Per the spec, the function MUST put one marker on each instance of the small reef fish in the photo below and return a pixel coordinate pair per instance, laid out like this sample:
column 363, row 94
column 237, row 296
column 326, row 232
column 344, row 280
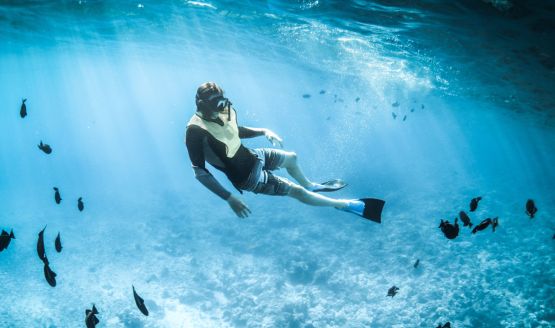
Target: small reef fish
column 393, row 291
column 451, row 231
column 23, row 109
column 140, row 302
column 58, row 243
column 80, row 204
column 45, row 148
column 474, row 203
column 531, row 208
column 57, row 196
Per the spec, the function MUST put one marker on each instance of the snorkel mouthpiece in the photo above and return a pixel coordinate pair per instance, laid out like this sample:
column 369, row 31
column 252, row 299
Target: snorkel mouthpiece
column 223, row 104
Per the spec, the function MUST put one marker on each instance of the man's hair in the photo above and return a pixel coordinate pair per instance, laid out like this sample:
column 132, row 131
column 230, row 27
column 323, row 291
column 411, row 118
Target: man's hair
column 204, row 91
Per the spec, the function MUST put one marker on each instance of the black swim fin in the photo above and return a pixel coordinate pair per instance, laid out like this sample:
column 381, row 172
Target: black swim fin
column 332, row 185
column 370, row 209
column 373, row 209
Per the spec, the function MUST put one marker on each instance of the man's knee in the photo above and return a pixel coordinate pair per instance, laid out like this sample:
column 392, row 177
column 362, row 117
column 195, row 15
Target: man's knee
column 290, row 159
column 296, row 191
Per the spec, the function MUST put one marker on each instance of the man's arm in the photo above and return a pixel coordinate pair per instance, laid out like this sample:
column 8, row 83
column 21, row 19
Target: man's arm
column 246, row 132
column 194, row 141
column 240, row 208
column 208, row 180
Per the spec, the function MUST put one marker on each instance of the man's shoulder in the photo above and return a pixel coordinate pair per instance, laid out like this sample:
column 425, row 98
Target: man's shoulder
column 195, row 129
column 195, row 132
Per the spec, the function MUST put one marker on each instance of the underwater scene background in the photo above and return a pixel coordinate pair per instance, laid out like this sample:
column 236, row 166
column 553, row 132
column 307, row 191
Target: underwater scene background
column 425, row 104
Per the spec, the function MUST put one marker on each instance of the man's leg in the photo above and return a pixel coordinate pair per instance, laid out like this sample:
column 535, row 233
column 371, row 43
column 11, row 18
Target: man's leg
column 315, row 199
column 290, row 163
column 277, row 158
column 279, row 186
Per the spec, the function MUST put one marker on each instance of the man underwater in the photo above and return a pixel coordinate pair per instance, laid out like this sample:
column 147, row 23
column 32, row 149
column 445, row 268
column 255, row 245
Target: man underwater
column 213, row 135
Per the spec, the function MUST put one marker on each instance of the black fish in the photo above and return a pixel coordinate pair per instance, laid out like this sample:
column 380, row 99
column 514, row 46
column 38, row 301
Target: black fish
column 40, row 245
column 395, row 104
column 394, row 115
column 485, row 223
column 57, row 196
column 474, row 203
column 322, row 92
column 465, row 219
column 306, row 96
column 446, row 325
column 451, row 231
column 5, row 239
column 49, row 274
column 531, row 208
column 45, row 148
column 140, row 302
column 357, row 100
column 90, row 317
column 80, row 205
column 482, row 225
column 416, row 263
column 23, row 110
column 405, row 118
column 58, row 243
column 392, row 291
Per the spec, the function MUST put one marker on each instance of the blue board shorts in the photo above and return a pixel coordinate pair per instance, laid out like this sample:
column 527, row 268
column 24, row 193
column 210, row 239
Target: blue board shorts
column 261, row 180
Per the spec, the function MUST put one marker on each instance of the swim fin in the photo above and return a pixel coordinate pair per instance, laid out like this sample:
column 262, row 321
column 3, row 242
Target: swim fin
column 368, row 208
column 332, row 185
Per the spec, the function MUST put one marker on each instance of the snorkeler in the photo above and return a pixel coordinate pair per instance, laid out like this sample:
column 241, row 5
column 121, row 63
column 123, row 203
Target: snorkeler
column 213, row 135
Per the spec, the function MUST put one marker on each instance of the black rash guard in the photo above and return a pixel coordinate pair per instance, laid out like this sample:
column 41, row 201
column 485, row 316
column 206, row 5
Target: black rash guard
column 202, row 146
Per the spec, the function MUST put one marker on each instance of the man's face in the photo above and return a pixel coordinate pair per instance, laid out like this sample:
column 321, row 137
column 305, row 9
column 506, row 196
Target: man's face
column 217, row 103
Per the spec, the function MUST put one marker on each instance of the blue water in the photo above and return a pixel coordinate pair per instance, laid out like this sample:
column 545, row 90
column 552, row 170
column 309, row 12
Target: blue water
column 110, row 86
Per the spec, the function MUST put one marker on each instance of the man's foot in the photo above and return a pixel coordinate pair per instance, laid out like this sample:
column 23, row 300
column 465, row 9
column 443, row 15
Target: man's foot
column 355, row 206
column 368, row 208
column 332, row 185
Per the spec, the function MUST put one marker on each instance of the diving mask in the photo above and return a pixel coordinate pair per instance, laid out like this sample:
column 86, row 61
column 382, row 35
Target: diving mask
column 218, row 103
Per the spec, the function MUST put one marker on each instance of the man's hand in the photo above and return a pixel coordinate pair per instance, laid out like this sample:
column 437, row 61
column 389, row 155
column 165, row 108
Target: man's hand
column 238, row 206
column 273, row 138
